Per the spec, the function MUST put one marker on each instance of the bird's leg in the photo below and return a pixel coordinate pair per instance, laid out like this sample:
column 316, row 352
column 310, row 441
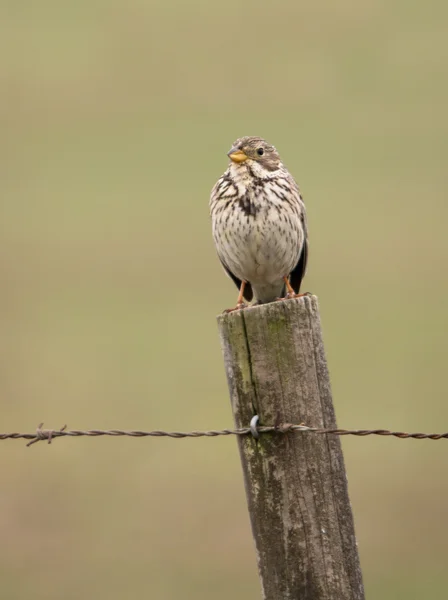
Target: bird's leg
column 240, row 302
column 291, row 293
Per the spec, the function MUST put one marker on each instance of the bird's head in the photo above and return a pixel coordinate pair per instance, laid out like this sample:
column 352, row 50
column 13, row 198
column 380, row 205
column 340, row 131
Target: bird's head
column 252, row 150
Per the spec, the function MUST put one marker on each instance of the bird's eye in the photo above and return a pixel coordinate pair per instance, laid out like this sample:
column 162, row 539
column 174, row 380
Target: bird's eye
column 260, row 151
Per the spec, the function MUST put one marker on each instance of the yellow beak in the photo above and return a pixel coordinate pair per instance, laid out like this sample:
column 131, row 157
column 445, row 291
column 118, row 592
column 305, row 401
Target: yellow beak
column 237, row 155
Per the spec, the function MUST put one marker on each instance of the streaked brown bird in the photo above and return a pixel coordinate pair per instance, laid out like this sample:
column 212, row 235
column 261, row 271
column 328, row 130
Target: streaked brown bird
column 259, row 224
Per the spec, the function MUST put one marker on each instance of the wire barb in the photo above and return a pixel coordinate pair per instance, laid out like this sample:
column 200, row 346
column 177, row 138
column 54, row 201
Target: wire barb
column 44, row 434
column 254, row 430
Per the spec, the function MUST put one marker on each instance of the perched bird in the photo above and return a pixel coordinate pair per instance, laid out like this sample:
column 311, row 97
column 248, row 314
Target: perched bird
column 259, row 223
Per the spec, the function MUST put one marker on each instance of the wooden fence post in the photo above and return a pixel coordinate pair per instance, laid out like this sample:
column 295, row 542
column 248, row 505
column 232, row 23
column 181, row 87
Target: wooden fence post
column 296, row 484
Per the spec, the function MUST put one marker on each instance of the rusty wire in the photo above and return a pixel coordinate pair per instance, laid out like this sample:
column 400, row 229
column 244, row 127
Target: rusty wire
column 50, row 434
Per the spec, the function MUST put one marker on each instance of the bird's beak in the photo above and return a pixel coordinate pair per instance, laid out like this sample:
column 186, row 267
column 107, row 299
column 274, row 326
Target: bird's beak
column 237, row 155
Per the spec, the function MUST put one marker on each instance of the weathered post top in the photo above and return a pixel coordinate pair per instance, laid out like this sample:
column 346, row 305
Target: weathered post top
column 296, row 485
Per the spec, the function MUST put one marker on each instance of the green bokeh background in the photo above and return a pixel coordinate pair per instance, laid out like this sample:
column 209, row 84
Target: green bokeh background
column 115, row 122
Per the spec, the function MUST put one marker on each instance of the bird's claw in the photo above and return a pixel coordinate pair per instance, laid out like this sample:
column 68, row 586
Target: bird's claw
column 290, row 296
column 239, row 306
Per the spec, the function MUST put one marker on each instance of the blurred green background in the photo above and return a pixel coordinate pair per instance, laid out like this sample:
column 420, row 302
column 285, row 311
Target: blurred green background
column 115, row 122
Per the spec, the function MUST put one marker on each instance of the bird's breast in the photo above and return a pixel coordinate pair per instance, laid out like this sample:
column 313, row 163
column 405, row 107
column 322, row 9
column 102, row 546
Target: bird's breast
column 259, row 235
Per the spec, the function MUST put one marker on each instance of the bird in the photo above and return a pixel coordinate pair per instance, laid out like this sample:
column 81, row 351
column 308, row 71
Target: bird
column 259, row 224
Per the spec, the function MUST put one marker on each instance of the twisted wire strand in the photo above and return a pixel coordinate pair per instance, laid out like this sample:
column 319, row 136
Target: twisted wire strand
column 50, row 434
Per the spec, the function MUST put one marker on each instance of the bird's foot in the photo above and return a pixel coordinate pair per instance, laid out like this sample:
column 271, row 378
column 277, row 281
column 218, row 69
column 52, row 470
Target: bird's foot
column 290, row 295
column 239, row 306
column 240, row 302
column 283, row 298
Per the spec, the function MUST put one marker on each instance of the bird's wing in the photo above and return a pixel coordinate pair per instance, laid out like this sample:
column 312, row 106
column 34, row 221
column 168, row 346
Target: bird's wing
column 298, row 273
column 248, row 294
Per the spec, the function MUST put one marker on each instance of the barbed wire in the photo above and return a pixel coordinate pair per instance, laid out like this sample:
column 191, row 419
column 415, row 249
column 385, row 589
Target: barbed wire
column 50, row 434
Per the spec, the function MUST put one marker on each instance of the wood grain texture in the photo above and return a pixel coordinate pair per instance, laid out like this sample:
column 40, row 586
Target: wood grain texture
column 296, row 484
